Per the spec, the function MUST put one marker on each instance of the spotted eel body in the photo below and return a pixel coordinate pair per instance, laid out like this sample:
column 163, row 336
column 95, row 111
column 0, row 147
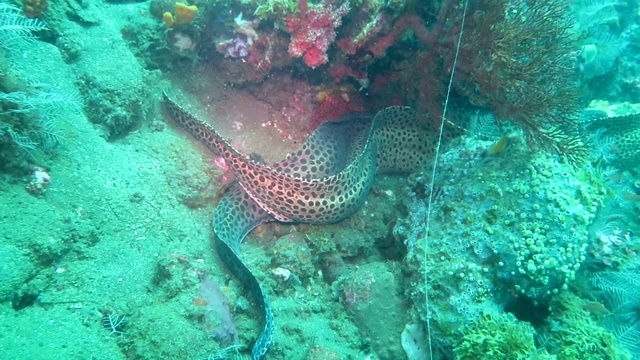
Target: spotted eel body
column 323, row 182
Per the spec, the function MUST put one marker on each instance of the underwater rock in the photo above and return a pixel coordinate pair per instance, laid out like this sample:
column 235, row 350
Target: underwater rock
column 115, row 87
column 16, row 269
column 118, row 109
column 292, row 253
column 372, row 297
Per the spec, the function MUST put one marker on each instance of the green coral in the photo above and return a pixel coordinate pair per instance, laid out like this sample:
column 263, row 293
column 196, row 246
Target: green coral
column 498, row 336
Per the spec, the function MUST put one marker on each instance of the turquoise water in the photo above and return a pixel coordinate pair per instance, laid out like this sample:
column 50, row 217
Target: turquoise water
column 516, row 239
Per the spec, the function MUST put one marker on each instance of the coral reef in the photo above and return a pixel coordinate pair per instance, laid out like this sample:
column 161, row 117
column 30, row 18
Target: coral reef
column 508, row 227
column 514, row 234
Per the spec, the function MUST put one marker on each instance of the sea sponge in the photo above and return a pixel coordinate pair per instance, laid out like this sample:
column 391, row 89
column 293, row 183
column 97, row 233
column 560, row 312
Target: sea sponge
column 184, row 14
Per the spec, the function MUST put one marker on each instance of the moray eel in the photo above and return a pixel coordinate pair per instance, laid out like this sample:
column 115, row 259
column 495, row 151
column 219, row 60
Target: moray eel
column 618, row 137
column 323, row 182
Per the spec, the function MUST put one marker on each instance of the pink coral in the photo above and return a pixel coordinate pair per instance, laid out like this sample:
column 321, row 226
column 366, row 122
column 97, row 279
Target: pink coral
column 312, row 30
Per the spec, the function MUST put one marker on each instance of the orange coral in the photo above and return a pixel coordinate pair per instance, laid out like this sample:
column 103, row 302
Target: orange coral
column 167, row 18
column 184, row 14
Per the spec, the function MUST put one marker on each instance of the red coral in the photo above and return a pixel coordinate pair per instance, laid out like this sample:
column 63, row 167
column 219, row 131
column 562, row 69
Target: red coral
column 315, row 57
column 261, row 52
column 312, row 30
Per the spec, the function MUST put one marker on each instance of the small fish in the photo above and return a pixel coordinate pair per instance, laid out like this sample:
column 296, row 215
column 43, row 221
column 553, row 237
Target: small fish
column 500, row 146
column 595, row 308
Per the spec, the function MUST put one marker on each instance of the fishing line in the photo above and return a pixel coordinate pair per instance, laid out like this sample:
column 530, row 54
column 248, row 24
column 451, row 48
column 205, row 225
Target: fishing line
column 433, row 176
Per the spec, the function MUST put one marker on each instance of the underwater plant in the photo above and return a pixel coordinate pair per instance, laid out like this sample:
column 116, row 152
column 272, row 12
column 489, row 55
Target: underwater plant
column 15, row 28
column 28, row 119
column 114, row 323
column 28, row 112
column 531, row 38
column 621, row 292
